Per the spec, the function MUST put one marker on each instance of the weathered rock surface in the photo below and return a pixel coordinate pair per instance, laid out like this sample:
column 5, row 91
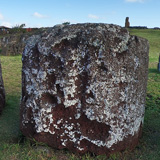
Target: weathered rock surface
column 12, row 44
column 2, row 92
column 84, row 88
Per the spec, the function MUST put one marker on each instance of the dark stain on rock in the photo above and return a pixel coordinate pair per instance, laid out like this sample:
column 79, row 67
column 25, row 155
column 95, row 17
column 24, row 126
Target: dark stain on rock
column 93, row 129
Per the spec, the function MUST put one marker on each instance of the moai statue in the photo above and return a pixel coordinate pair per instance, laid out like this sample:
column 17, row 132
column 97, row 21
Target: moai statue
column 127, row 24
column 159, row 64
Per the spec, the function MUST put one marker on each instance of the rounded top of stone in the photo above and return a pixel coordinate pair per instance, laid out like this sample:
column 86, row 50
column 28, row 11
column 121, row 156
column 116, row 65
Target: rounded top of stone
column 87, row 26
column 94, row 34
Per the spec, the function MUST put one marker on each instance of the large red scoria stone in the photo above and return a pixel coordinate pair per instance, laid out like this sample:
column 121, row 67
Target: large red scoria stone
column 2, row 92
column 84, row 88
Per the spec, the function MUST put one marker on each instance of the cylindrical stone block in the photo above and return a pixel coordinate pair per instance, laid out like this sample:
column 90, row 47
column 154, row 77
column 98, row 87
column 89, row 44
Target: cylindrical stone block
column 84, row 88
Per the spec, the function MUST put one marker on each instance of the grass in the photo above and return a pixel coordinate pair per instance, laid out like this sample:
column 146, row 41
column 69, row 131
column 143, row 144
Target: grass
column 11, row 68
column 153, row 37
column 11, row 146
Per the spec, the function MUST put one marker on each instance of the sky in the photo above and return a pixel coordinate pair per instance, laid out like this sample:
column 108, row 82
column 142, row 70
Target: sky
column 47, row 13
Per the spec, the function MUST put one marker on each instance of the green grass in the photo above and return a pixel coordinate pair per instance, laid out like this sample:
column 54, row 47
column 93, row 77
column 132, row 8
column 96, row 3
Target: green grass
column 11, row 146
column 153, row 37
column 9, row 120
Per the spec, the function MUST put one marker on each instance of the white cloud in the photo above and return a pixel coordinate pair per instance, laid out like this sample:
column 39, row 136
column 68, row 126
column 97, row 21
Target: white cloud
column 93, row 16
column 38, row 15
column 132, row 1
column 7, row 24
column 1, row 17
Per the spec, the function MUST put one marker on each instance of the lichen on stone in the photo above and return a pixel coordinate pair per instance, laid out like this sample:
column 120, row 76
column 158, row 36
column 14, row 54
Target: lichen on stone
column 84, row 85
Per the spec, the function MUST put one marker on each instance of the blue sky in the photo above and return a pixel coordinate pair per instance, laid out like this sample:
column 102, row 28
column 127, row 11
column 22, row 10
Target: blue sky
column 47, row 13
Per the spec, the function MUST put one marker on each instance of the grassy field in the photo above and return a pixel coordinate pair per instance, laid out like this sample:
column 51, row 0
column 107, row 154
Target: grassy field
column 14, row 147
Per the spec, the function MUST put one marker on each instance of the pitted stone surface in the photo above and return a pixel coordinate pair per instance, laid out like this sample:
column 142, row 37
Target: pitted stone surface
column 12, row 44
column 84, row 88
column 2, row 92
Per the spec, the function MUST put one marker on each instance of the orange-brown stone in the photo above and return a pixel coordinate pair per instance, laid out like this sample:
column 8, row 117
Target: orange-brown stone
column 84, row 88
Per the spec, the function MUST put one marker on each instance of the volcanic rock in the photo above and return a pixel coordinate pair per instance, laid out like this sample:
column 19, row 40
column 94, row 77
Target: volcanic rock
column 13, row 44
column 2, row 92
column 84, row 88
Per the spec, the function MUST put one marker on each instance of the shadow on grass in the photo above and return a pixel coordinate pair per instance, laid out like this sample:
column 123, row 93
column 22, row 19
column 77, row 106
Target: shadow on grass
column 9, row 120
column 153, row 70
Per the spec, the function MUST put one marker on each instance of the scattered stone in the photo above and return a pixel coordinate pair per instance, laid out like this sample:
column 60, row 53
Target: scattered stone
column 127, row 24
column 2, row 92
column 13, row 44
column 84, row 88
